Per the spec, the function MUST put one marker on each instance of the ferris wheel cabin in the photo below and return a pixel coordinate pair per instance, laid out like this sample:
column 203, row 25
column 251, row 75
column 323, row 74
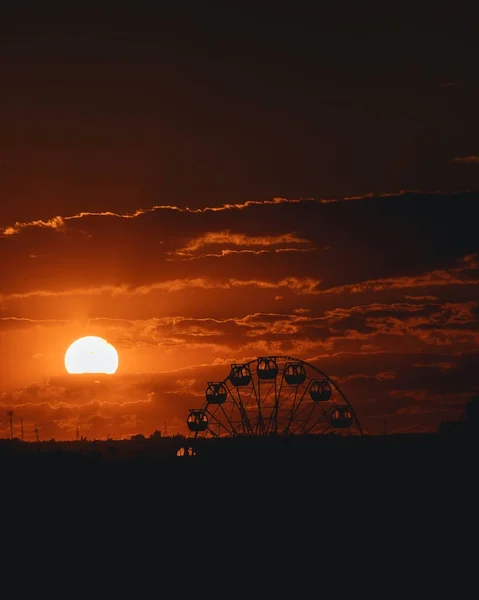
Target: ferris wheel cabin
column 240, row 375
column 320, row 390
column 294, row 373
column 197, row 420
column 216, row 392
column 341, row 417
column 267, row 368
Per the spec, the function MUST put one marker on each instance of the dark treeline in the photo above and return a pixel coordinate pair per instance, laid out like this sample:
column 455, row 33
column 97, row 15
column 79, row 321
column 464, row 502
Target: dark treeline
column 452, row 444
column 323, row 469
column 452, row 438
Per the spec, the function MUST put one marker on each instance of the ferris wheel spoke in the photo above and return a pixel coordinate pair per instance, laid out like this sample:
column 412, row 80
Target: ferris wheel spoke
column 260, row 423
column 221, row 422
column 264, row 411
column 303, row 417
column 244, row 417
column 323, row 416
column 273, row 418
column 277, row 401
column 322, row 419
column 235, row 408
column 294, row 408
column 289, row 412
column 253, row 407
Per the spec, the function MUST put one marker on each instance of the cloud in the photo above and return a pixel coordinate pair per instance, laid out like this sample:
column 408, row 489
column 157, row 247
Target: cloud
column 222, row 238
column 264, row 241
column 380, row 386
column 59, row 222
column 466, row 274
column 54, row 223
column 470, row 160
column 186, row 292
column 11, row 323
column 247, row 244
column 298, row 285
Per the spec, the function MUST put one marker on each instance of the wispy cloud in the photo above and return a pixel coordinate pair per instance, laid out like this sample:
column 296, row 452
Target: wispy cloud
column 242, row 240
column 54, row 223
column 59, row 222
column 224, row 253
column 298, row 285
column 464, row 275
column 241, row 243
column 470, row 160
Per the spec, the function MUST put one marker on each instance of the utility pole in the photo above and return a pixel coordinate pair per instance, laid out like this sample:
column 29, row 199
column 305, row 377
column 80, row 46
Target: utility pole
column 21, row 427
column 10, row 415
column 36, row 433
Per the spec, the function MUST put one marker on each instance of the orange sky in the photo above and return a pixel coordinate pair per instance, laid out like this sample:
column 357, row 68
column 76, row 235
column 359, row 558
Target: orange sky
column 182, row 294
column 205, row 185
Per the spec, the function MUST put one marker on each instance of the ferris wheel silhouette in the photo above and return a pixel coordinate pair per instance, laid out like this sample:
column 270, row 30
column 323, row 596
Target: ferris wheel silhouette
column 273, row 395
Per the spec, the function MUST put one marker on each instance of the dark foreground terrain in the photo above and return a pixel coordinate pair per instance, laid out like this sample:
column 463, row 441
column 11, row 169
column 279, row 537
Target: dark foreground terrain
column 248, row 510
column 307, row 467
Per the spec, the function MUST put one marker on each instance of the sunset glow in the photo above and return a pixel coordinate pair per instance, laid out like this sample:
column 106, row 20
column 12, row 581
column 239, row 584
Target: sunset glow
column 206, row 188
column 91, row 354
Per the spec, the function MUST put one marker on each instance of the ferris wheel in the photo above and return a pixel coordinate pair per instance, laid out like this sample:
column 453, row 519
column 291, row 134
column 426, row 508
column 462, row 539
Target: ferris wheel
column 273, row 395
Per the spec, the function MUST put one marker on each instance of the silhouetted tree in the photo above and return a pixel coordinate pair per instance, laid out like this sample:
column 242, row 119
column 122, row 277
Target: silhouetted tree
column 472, row 412
column 465, row 426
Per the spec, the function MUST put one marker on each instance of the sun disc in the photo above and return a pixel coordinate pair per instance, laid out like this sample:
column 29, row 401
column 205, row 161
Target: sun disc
column 91, row 354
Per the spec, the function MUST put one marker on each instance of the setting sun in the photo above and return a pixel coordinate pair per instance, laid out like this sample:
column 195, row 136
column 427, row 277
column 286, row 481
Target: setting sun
column 91, row 354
